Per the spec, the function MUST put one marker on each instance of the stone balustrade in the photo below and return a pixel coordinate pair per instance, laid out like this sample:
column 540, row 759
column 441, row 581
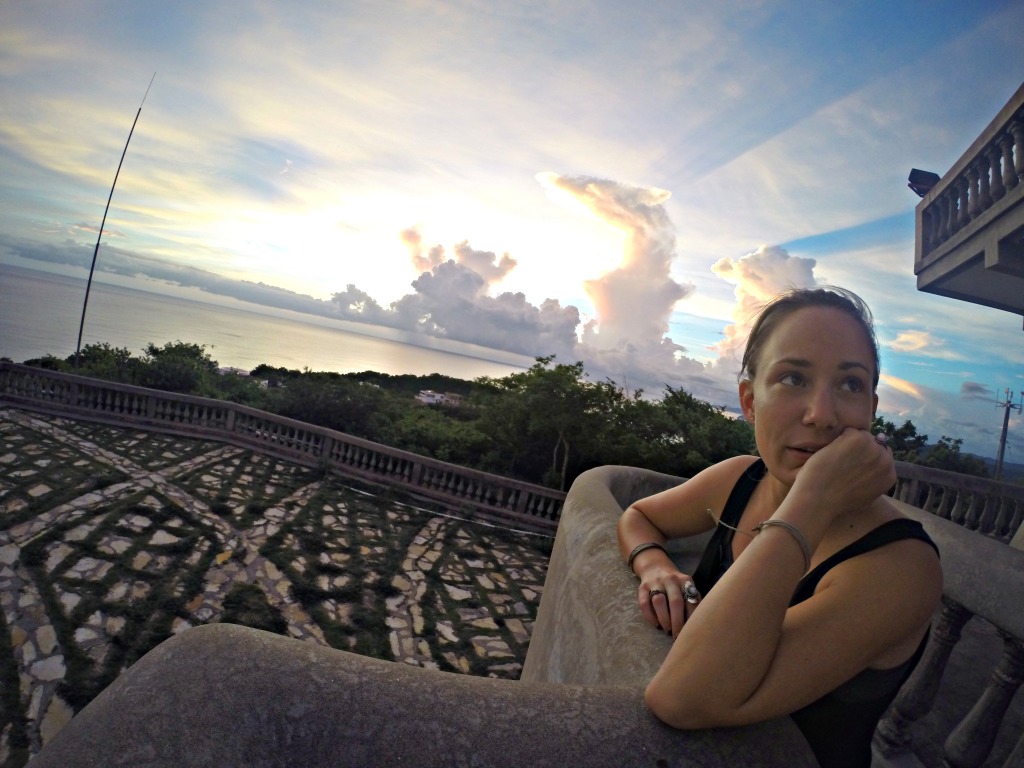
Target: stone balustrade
column 983, row 578
column 993, row 508
column 480, row 494
column 986, row 179
column 986, row 506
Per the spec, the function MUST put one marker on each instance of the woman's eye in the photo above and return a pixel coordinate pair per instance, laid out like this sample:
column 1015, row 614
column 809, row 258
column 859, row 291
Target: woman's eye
column 853, row 385
column 791, row 379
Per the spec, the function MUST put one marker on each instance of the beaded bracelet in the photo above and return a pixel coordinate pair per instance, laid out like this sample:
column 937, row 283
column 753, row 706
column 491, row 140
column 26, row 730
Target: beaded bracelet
column 641, row 548
column 804, row 546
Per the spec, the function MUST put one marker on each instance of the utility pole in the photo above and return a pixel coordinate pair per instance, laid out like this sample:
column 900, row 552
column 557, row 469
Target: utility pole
column 1008, row 405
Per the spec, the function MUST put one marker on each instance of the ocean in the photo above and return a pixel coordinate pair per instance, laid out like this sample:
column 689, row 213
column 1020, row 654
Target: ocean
column 40, row 313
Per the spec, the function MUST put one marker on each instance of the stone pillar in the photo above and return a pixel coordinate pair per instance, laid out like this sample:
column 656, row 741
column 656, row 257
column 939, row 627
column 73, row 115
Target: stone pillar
column 970, row 743
column 917, row 695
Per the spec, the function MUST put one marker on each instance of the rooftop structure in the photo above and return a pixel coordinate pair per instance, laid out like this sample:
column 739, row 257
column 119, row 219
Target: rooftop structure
column 970, row 223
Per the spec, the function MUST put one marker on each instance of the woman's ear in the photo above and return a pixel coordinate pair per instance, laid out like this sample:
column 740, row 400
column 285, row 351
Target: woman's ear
column 747, row 399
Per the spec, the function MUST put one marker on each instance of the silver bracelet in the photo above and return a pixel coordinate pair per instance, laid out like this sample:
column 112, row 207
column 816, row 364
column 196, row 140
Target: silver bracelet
column 804, row 546
column 641, row 548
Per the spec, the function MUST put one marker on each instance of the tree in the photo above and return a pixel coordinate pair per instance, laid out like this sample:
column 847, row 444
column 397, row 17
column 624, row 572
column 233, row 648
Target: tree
column 946, row 455
column 907, row 445
column 102, row 361
column 551, row 405
column 905, row 442
column 179, row 366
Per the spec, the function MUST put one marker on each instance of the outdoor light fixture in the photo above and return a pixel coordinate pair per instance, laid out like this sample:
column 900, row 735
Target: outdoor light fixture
column 922, row 181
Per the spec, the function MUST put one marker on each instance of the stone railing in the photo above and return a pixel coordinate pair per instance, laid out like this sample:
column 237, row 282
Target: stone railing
column 983, row 579
column 589, row 630
column 986, row 506
column 988, row 179
column 480, row 494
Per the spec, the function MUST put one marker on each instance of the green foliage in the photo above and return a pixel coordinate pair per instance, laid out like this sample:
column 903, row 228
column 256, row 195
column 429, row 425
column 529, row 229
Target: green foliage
column 337, row 403
column 12, row 712
column 427, row 430
column 907, row 445
column 179, row 367
column 544, row 425
column 246, row 604
column 946, row 455
column 904, row 440
column 103, row 361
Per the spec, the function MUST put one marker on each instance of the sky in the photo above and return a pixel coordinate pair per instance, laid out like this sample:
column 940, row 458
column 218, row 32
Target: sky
column 610, row 182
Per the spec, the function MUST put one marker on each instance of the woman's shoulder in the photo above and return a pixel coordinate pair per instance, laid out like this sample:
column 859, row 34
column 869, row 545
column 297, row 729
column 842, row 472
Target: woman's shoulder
column 717, row 481
column 727, row 472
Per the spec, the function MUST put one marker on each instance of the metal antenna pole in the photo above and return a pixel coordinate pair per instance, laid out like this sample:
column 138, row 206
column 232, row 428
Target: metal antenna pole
column 96, row 250
column 1008, row 405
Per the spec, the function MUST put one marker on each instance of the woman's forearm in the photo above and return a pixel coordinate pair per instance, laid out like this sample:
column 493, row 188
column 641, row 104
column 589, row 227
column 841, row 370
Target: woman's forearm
column 727, row 646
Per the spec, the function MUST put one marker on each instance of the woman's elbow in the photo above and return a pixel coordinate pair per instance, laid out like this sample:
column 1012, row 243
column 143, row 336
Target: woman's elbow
column 676, row 710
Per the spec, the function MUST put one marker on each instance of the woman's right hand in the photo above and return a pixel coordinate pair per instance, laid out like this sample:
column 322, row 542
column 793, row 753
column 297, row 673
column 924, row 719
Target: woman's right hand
column 849, row 473
column 667, row 598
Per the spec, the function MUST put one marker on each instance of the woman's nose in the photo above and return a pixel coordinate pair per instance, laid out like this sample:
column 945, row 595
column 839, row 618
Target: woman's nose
column 821, row 408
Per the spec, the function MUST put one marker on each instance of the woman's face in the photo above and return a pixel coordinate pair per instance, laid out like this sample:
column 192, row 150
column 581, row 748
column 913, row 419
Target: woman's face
column 814, row 378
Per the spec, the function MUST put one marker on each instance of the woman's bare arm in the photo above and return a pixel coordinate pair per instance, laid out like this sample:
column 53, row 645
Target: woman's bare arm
column 745, row 656
column 676, row 513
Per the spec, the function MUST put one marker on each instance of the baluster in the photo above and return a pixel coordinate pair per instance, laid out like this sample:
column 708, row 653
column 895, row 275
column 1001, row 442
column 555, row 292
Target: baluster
column 995, row 156
column 947, row 501
column 973, row 200
column 971, row 741
column 983, row 168
column 915, row 698
column 1009, row 174
column 1017, row 131
column 1001, row 522
column 956, row 514
column 963, row 186
column 973, row 516
column 949, row 212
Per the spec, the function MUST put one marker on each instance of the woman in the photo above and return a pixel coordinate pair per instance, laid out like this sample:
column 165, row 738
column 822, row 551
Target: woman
column 817, row 593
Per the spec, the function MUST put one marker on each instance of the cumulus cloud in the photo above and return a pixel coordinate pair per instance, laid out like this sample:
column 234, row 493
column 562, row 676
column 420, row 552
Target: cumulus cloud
column 421, row 261
column 451, row 299
column 635, row 300
column 484, row 263
column 758, row 276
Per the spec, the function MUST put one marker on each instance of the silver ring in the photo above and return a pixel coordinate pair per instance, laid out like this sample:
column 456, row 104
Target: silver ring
column 657, row 591
column 691, row 593
column 882, row 439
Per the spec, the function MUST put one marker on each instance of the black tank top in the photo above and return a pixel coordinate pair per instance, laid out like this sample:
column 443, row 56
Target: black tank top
column 840, row 724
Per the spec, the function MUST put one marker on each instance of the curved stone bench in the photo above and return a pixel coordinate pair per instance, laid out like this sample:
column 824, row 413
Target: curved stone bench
column 228, row 695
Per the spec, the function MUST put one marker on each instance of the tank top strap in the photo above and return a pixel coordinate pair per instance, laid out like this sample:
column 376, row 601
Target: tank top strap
column 888, row 532
column 718, row 552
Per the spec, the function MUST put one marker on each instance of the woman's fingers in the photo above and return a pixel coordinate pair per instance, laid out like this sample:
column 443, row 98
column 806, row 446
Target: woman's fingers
column 667, row 606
